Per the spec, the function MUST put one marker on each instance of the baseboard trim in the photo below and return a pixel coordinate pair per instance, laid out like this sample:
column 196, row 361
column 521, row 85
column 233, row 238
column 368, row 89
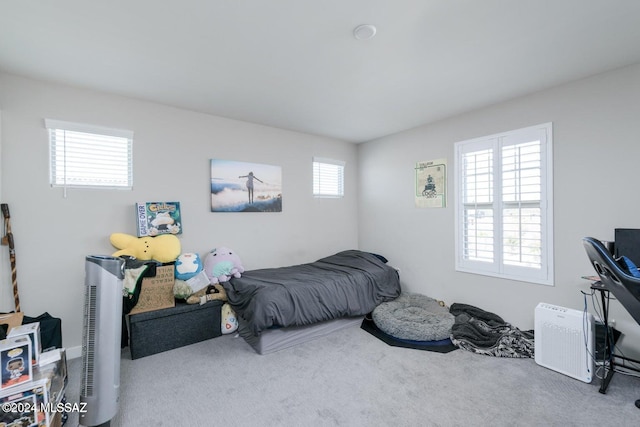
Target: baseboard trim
column 74, row 352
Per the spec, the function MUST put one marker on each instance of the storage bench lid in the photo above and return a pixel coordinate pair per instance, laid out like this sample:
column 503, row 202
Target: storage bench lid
column 180, row 308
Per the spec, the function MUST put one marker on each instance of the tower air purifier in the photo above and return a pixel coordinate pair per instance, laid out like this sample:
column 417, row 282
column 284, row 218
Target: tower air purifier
column 100, row 381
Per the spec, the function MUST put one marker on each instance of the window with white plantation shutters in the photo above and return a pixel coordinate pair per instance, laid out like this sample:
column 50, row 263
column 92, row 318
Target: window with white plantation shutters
column 504, row 205
column 328, row 177
column 521, row 198
column 89, row 156
column 478, row 206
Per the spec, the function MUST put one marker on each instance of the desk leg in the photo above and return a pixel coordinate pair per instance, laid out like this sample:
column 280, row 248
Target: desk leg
column 607, row 366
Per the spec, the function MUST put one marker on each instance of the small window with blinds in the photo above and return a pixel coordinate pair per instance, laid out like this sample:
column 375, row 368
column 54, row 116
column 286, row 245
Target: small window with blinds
column 89, row 156
column 504, row 205
column 328, row 177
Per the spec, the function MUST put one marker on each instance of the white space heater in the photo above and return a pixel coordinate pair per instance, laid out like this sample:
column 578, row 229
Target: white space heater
column 100, row 382
column 564, row 341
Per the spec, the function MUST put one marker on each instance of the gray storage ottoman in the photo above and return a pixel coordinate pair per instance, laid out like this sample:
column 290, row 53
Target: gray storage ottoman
column 161, row 330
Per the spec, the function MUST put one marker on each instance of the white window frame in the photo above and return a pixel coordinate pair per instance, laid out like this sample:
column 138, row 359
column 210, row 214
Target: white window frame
column 496, row 267
column 330, row 170
column 107, row 151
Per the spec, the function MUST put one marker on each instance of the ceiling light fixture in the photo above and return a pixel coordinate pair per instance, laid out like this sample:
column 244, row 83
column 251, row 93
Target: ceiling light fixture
column 364, row 32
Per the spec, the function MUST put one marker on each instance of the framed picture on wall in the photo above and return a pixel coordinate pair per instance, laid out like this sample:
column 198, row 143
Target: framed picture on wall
column 156, row 218
column 431, row 184
column 245, row 187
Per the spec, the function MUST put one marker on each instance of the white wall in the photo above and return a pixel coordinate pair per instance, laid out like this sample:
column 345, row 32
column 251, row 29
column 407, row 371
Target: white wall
column 596, row 156
column 596, row 151
column 172, row 149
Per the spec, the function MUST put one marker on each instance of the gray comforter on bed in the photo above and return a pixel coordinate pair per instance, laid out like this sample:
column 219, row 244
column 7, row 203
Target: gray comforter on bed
column 349, row 283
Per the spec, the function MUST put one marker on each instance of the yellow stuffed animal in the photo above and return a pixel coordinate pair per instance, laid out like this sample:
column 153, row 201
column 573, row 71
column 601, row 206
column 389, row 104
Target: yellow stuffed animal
column 163, row 248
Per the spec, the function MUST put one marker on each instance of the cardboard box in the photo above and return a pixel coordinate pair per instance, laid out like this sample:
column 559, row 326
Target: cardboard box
column 11, row 320
column 15, row 361
column 29, row 403
column 31, row 330
column 156, row 292
column 57, row 420
column 21, row 408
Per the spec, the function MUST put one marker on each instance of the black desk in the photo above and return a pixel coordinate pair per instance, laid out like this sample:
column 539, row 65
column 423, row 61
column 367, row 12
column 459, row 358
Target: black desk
column 609, row 357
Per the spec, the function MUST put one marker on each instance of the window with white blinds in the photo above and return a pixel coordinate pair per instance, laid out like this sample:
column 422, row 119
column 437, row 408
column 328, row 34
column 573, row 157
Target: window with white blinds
column 89, row 156
column 328, row 177
column 504, row 205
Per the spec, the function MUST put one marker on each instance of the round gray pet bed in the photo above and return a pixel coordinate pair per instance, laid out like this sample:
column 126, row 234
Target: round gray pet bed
column 414, row 317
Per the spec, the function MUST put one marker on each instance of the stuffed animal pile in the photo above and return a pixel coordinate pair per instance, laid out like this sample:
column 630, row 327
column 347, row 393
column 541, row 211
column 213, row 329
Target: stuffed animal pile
column 195, row 281
column 192, row 284
column 198, row 283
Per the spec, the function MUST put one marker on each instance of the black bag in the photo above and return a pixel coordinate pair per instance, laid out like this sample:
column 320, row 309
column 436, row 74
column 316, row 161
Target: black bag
column 130, row 301
column 50, row 330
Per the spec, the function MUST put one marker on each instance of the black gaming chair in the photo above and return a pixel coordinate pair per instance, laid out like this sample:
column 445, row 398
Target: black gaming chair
column 621, row 284
column 624, row 286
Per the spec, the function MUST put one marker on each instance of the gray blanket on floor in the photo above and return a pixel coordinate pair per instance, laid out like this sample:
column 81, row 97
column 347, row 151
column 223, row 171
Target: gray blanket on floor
column 486, row 333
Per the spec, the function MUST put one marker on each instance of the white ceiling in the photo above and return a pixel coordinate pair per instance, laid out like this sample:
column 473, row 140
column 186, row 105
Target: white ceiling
column 295, row 64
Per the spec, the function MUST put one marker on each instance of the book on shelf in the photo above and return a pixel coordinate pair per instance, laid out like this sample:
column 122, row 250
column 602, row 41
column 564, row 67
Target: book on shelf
column 156, row 218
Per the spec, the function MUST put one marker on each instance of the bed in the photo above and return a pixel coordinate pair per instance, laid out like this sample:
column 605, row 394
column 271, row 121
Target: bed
column 281, row 307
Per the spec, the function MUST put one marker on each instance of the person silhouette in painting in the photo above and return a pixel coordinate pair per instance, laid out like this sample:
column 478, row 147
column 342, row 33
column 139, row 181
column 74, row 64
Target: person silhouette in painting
column 250, row 179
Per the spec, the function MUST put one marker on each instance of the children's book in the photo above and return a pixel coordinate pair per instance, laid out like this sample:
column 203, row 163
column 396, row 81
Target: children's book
column 156, row 218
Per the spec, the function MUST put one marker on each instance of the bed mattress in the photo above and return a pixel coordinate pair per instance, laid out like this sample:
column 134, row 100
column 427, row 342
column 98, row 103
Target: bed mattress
column 276, row 339
column 347, row 284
